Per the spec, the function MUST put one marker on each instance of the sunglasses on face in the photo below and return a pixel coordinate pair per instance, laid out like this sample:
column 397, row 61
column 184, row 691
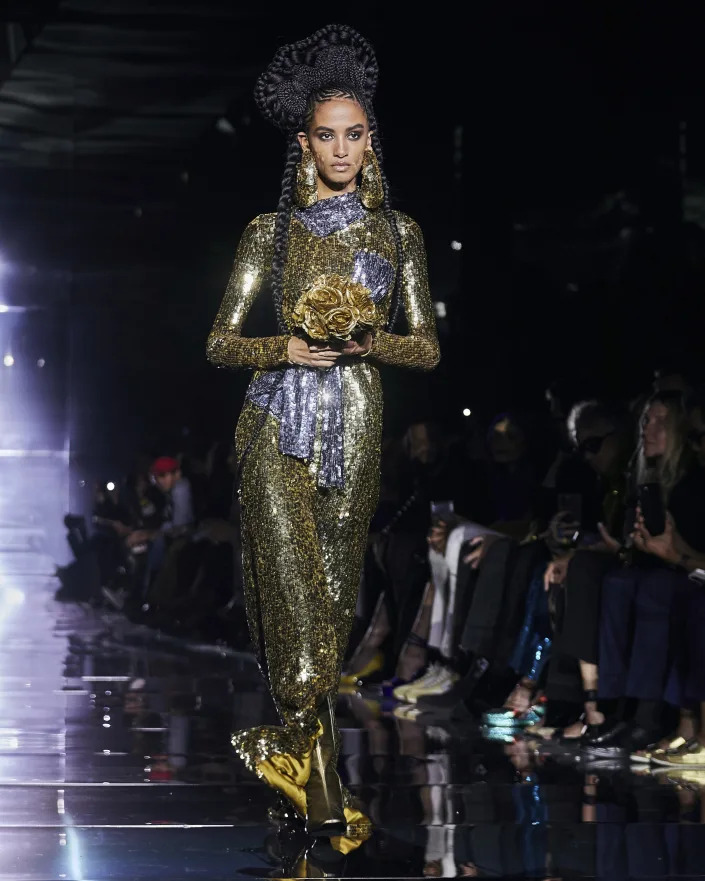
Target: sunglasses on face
column 593, row 445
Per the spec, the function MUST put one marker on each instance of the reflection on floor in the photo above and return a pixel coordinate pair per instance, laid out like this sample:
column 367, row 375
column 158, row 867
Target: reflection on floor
column 114, row 764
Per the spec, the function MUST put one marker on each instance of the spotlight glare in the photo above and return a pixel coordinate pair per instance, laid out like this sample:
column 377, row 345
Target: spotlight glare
column 110, row 486
column 4, row 308
column 456, row 245
column 467, row 412
column 8, row 360
column 41, row 362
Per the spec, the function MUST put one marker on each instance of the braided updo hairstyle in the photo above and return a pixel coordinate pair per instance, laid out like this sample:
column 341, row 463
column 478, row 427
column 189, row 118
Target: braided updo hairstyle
column 334, row 62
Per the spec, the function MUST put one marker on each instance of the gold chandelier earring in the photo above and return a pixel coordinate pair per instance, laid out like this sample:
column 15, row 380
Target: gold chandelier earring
column 371, row 189
column 306, row 190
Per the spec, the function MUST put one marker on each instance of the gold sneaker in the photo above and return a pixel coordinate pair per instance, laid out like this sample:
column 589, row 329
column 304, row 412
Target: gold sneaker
column 690, row 755
column 654, row 752
column 691, row 779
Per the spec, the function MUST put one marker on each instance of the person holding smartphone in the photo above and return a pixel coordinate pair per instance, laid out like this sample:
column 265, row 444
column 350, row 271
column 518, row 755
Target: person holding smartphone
column 686, row 685
column 603, row 440
column 641, row 617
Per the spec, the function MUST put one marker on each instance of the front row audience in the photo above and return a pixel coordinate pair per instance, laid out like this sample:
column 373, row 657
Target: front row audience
column 587, row 628
column 570, row 607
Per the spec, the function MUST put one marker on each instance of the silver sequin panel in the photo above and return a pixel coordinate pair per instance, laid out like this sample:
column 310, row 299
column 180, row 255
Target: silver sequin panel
column 327, row 216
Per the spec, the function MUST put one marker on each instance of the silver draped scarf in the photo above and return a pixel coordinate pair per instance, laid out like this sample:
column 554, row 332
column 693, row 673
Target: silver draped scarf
column 293, row 394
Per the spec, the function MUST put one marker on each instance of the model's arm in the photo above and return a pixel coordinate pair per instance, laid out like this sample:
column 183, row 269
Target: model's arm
column 226, row 347
column 419, row 348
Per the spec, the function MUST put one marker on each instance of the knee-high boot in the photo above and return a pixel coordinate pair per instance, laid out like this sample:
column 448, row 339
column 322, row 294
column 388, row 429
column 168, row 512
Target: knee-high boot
column 324, row 796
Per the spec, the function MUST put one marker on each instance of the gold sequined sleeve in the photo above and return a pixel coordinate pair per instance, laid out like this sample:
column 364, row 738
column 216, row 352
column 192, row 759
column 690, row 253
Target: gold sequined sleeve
column 419, row 348
column 226, row 347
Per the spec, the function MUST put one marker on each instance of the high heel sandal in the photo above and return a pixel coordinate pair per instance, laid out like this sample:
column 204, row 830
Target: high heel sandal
column 325, row 816
column 589, row 696
column 508, row 718
column 511, row 717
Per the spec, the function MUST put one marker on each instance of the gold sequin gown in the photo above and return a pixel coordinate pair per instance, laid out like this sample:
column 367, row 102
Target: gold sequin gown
column 303, row 543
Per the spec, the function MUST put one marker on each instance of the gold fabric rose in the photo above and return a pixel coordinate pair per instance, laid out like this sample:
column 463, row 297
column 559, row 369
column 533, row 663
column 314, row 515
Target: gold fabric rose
column 334, row 307
column 325, row 294
column 342, row 321
column 358, row 297
column 313, row 323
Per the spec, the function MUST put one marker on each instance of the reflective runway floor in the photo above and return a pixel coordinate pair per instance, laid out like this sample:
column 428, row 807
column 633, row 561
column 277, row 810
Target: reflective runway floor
column 114, row 764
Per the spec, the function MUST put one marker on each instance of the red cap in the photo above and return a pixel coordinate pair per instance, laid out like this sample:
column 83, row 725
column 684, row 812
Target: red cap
column 163, row 465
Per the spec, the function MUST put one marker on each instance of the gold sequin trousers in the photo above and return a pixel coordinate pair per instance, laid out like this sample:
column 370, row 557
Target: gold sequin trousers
column 303, row 551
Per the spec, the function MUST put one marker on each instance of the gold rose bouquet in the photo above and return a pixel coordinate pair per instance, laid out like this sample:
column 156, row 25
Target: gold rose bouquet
column 334, row 308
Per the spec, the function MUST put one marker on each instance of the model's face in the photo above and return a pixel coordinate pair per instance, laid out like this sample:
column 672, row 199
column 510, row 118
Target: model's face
column 337, row 136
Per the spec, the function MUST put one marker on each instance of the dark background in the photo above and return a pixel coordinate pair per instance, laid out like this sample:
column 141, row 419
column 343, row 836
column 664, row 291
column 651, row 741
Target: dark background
column 562, row 144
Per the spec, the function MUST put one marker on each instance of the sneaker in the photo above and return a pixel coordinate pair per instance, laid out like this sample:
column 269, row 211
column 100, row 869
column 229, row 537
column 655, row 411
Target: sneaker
column 407, row 712
column 654, row 751
column 434, row 674
column 401, row 690
column 444, row 683
column 690, row 756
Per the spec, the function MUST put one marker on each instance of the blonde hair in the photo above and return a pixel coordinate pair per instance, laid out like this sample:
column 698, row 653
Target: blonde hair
column 669, row 468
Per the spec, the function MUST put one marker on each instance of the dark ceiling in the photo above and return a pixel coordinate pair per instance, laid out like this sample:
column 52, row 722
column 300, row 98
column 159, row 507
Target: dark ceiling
column 89, row 83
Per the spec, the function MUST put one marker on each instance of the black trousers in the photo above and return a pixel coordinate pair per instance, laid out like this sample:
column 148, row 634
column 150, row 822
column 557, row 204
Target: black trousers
column 578, row 633
column 408, row 572
column 480, row 630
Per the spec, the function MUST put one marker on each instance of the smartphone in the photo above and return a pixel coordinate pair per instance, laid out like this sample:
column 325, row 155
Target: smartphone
column 652, row 508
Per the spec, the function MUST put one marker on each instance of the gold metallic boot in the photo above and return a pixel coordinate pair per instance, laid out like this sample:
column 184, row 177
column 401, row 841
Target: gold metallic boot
column 324, row 797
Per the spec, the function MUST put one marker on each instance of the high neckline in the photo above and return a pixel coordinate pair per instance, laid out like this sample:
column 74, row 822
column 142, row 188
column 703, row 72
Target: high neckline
column 333, row 214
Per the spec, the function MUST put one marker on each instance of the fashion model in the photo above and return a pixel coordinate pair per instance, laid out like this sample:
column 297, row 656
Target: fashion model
column 342, row 265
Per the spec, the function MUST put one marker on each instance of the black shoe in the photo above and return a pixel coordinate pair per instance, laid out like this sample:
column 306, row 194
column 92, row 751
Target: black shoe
column 612, row 734
column 559, row 735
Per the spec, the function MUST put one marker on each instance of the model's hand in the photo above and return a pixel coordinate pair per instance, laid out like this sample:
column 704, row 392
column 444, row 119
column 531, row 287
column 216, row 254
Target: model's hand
column 321, row 357
column 358, row 347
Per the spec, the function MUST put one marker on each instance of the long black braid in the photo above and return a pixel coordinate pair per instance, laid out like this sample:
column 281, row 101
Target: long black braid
column 336, row 61
column 395, row 305
column 281, row 230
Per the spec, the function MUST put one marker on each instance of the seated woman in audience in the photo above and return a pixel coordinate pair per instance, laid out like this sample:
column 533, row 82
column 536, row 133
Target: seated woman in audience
column 685, row 552
column 639, row 603
column 604, row 439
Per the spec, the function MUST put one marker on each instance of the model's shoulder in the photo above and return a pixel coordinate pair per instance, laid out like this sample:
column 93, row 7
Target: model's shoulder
column 407, row 226
column 263, row 224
